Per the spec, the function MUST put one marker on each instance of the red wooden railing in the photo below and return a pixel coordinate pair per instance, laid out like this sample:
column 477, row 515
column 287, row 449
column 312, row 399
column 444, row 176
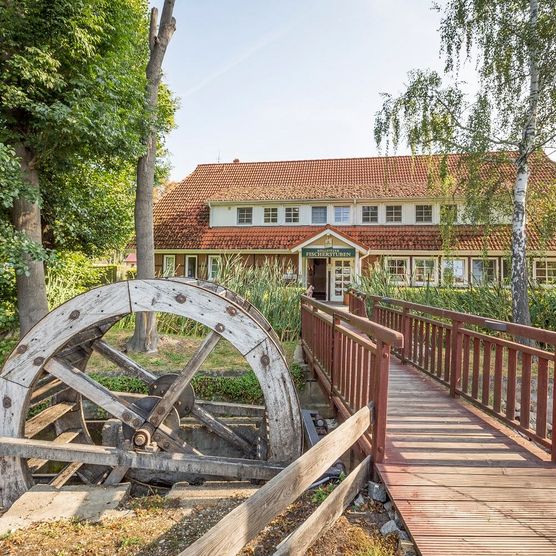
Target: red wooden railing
column 504, row 368
column 351, row 357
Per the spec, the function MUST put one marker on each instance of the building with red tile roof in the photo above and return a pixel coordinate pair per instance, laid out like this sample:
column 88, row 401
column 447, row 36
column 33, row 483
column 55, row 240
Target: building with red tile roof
column 328, row 220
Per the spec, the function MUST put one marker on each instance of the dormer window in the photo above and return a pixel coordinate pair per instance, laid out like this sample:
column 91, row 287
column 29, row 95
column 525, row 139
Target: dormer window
column 291, row 215
column 342, row 215
column 271, row 215
column 245, row 215
column 423, row 214
column 393, row 213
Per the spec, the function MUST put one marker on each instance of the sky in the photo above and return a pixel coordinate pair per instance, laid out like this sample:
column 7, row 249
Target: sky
column 289, row 79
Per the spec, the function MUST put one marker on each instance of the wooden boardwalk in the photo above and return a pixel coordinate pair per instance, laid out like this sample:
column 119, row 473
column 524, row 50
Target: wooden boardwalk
column 463, row 483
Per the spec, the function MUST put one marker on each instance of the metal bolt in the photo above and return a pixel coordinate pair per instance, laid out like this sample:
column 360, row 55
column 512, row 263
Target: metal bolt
column 22, row 348
column 161, row 410
column 180, row 298
column 38, row 361
column 231, row 310
column 265, row 360
column 220, row 327
column 136, row 422
column 126, row 417
column 74, row 314
column 7, row 402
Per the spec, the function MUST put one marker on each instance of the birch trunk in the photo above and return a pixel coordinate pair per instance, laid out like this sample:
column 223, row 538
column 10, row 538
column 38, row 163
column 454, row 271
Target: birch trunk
column 520, row 298
column 145, row 336
column 32, row 305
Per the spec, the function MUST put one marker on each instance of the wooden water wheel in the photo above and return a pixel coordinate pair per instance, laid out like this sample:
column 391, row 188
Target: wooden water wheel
column 44, row 386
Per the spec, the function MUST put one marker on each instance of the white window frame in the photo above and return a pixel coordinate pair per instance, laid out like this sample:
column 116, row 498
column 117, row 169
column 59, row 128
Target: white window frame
column 274, row 209
column 545, row 261
column 286, row 209
column 186, row 269
column 325, row 215
column 165, row 265
column 238, row 209
column 423, row 206
column 434, row 278
column 386, row 217
column 343, row 210
column 363, row 207
column 212, row 258
column 465, row 271
column 496, row 271
column 406, row 279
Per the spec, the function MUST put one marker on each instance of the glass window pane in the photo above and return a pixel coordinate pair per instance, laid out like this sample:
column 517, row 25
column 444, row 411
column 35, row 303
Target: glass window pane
column 393, row 213
column 292, row 215
column 423, row 213
column 424, row 270
column 319, row 215
column 370, row 214
column 397, row 269
column 270, row 215
column 245, row 215
column 342, row 215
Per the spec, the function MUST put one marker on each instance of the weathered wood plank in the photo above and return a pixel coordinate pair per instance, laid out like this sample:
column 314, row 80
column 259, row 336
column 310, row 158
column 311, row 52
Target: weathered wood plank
column 45, row 418
column 243, row 523
column 162, row 461
column 66, row 474
column 327, row 513
column 123, row 361
column 64, row 438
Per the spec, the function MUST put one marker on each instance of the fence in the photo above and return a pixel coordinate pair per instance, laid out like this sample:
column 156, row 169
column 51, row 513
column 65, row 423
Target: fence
column 246, row 521
column 351, row 356
column 504, row 368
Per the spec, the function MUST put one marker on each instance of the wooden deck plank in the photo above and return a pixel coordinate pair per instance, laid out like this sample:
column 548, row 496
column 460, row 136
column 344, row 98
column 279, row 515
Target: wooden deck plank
column 462, row 482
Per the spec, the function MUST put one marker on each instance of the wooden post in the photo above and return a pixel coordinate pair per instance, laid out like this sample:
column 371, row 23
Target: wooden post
column 335, row 352
column 380, row 398
column 405, row 330
column 455, row 360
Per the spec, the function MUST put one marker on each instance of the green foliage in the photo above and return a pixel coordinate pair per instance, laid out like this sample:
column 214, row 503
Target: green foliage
column 264, row 286
column 120, row 383
column 493, row 301
column 322, row 492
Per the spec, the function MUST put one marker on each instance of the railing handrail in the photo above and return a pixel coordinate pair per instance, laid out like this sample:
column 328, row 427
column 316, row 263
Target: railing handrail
column 377, row 331
column 518, row 330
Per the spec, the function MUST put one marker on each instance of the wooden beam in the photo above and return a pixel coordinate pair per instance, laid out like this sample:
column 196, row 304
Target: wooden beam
column 235, row 468
column 327, row 513
column 245, row 522
column 65, row 438
column 123, row 361
column 45, row 418
column 222, row 430
column 66, row 474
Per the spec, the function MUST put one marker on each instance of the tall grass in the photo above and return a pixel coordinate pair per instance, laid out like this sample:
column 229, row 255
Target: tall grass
column 488, row 301
column 264, row 286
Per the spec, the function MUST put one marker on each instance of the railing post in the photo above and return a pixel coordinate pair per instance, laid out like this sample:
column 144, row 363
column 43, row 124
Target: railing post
column 380, row 398
column 335, row 353
column 405, row 330
column 455, row 359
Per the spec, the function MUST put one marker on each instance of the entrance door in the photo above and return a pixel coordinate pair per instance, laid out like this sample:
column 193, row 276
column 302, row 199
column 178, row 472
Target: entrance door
column 316, row 277
column 342, row 271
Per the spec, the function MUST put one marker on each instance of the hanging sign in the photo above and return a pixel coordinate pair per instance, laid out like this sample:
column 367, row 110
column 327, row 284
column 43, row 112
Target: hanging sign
column 326, row 252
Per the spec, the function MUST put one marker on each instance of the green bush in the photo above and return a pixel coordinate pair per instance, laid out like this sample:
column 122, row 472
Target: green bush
column 493, row 302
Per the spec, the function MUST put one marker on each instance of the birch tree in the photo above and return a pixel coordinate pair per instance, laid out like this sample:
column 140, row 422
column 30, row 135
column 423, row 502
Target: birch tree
column 504, row 122
column 145, row 337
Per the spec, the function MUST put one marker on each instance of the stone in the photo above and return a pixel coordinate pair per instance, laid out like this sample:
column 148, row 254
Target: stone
column 388, row 506
column 406, row 548
column 377, row 492
column 404, row 536
column 298, row 355
column 389, row 527
column 47, row 503
column 359, row 501
column 209, row 494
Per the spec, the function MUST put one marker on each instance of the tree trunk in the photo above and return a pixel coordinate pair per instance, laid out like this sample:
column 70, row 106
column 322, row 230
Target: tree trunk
column 520, row 297
column 32, row 305
column 145, row 337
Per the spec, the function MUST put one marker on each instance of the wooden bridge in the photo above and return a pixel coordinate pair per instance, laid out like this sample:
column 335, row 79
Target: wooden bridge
column 463, row 415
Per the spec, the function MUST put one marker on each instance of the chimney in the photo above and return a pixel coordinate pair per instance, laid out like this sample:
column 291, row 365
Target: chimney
column 236, row 160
